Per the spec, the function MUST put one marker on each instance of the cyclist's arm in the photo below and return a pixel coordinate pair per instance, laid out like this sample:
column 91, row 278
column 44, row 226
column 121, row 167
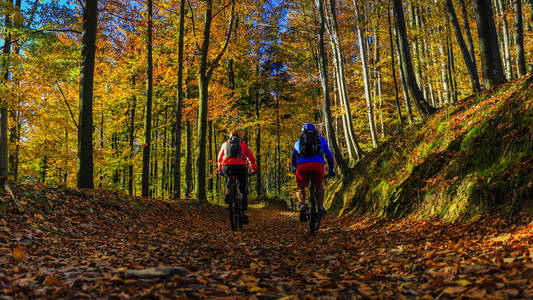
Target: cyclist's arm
column 329, row 156
column 294, row 156
column 250, row 156
column 221, row 157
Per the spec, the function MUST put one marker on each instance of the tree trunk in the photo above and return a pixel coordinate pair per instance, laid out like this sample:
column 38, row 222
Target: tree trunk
column 470, row 67
column 423, row 107
column 188, row 158
column 323, row 71
column 500, row 7
column 393, row 65
column 366, row 81
column 471, row 49
column 148, row 107
column 519, row 38
column 210, row 158
column 405, row 90
column 258, row 183
column 278, row 148
column 164, row 163
column 179, row 104
column 131, row 140
column 445, row 75
column 85, row 132
column 491, row 61
column 14, row 131
column 354, row 151
column 4, row 113
column 530, row 4
column 204, row 76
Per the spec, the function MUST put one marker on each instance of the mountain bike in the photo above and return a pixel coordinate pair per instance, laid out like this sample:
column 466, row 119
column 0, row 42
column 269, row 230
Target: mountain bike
column 313, row 213
column 235, row 204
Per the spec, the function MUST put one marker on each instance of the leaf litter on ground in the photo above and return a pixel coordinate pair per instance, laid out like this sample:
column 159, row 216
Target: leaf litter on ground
column 81, row 244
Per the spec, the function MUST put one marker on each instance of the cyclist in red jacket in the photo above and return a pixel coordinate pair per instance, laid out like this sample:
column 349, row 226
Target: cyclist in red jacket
column 232, row 161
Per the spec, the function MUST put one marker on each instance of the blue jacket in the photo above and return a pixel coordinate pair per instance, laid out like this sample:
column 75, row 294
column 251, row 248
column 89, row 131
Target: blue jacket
column 298, row 159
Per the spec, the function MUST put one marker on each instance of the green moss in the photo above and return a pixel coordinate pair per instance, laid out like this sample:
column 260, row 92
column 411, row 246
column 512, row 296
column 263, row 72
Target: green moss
column 477, row 131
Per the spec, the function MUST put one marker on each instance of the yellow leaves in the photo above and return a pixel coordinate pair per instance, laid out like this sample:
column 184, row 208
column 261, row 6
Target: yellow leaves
column 452, row 290
column 18, row 252
column 501, row 238
column 463, row 282
column 255, row 289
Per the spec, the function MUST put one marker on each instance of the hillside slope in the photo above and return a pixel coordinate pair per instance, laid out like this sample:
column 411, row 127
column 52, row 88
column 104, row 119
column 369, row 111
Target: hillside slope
column 472, row 158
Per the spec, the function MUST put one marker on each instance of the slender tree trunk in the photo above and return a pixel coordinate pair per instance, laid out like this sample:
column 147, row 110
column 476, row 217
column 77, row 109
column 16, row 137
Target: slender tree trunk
column 404, row 83
column 393, row 65
column 530, row 23
column 519, row 38
column 188, row 158
column 179, row 105
column 500, row 8
column 204, row 76
column 85, row 133
column 451, row 72
column 278, row 149
column 424, row 108
column 323, row 71
column 15, row 114
column 258, row 183
column 131, row 139
column 164, row 154
column 471, row 48
column 148, row 107
column 444, row 75
column 470, row 67
column 354, row 151
column 4, row 113
column 366, row 80
column 210, row 159
column 491, row 61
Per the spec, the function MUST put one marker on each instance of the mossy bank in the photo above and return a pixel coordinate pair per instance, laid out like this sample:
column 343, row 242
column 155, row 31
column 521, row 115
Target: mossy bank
column 471, row 158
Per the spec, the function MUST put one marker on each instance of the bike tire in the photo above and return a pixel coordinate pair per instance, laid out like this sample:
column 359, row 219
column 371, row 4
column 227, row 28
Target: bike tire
column 312, row 213
column 233, row 211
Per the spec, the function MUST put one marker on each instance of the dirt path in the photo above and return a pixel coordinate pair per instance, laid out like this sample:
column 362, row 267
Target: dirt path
column 80, row 253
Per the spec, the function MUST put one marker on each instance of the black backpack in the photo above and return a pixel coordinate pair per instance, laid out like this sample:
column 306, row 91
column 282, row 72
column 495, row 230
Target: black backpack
column 233, row 147
column 310, row 143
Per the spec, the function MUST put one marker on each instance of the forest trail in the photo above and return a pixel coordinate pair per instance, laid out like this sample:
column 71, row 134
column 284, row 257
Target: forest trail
column 83, row 248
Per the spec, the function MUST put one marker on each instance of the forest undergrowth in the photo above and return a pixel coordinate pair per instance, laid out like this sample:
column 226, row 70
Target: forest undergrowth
column 81, row 244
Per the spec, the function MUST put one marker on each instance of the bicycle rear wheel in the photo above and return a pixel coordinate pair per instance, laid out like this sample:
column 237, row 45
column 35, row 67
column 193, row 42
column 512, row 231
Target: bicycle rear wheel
column 234, row 218
column 314, row 218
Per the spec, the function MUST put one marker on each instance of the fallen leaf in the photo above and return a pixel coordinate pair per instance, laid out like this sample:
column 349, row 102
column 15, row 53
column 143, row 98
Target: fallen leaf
column 53, row 281
column 18, row 252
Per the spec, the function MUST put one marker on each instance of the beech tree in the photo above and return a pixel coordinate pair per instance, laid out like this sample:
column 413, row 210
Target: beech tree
column 85, row 133
column 489, row 49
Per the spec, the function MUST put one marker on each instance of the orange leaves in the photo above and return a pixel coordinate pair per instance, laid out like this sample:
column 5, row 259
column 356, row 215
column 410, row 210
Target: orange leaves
column 91, row 243
column 53, row 281
column 18, row 252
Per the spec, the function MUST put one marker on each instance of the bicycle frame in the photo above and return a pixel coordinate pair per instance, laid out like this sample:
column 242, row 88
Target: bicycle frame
column 235, row 204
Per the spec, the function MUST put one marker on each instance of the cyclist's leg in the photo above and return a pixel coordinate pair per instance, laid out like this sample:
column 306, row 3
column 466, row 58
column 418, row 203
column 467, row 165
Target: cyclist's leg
column 242, row 176
column 318, row 178
column 227, row 170
column 302, row 180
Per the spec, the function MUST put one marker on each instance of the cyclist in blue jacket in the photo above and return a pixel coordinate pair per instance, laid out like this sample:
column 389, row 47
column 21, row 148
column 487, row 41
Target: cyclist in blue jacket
column 308, row 157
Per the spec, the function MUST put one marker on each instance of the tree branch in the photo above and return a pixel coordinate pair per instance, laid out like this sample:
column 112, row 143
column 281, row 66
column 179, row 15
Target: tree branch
column 193, row 26
column 68, row 105
column 226, row 42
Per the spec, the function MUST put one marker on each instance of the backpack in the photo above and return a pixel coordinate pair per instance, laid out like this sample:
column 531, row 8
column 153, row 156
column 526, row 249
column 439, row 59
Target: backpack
column 233, row 147
column 310, row 143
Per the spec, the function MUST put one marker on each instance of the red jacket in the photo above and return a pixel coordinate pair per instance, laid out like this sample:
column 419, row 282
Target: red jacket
column 245, row 153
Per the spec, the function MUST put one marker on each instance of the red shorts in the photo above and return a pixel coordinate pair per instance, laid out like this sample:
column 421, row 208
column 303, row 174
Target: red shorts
column 302, row 171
